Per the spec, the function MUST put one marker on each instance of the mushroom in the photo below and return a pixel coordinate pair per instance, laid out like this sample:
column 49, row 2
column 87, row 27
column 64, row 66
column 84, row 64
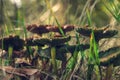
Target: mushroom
column 99, row 33
column 41, row 29
column 53, row 42
column 37, row 41
column 110, row 56
column 13, row 46
column 14, row 41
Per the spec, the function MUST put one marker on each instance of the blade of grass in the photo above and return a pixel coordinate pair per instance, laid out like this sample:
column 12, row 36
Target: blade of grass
column 9, row 24
column 29, row 49
column 72, row 62
column 6, row 30
column 93, row 57
column 113, row 10
column 89, row 18
column 59, row 26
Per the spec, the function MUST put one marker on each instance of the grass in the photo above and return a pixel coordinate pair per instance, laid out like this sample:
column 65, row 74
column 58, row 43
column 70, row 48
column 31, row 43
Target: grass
column 93, row 57
column 113, row 8
column 78, row 65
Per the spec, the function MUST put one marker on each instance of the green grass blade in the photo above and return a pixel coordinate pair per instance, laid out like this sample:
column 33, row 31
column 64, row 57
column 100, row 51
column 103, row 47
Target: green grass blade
column 89, row 18
column 6, row 30
column 59, row 26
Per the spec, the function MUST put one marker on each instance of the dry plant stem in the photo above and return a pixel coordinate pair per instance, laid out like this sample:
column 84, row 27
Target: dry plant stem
column 53, row 57
column 83, row 11
column 100, row 72
column 78, row 65
column 109, row 72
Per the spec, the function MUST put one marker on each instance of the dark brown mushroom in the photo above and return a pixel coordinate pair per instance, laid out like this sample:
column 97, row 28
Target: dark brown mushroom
column 110, row 56
column 37, row 41
column 51, row 42
column 99, row 33
column 13, row 41
column 41, row 29
column 56, row 41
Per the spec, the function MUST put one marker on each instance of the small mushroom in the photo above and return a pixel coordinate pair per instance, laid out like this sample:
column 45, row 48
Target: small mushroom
column 41, row 29
column 13, row 41
column 99, row 33
column 16, row 43
column 110, row 56
column 56, row 41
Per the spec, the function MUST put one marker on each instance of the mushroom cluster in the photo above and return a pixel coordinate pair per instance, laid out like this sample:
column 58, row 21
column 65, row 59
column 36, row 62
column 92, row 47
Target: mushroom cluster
column 57, row 41
column 108, row 57
column 57, row 47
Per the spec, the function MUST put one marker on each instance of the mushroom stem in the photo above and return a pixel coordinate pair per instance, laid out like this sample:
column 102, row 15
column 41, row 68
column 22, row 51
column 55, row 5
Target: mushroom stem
column 53, row 57
column 10, row 51
column 10, row 54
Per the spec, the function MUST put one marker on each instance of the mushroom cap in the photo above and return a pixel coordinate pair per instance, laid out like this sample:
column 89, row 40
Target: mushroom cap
column 13, row 41
column 41, row 29
column 38, row 29
column 56, row 41
column 110, row 56
column 38, row 41
column 99, row 33
column 53, row 28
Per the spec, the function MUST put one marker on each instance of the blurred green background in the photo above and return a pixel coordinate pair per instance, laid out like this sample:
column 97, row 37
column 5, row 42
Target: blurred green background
column 66, row 12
